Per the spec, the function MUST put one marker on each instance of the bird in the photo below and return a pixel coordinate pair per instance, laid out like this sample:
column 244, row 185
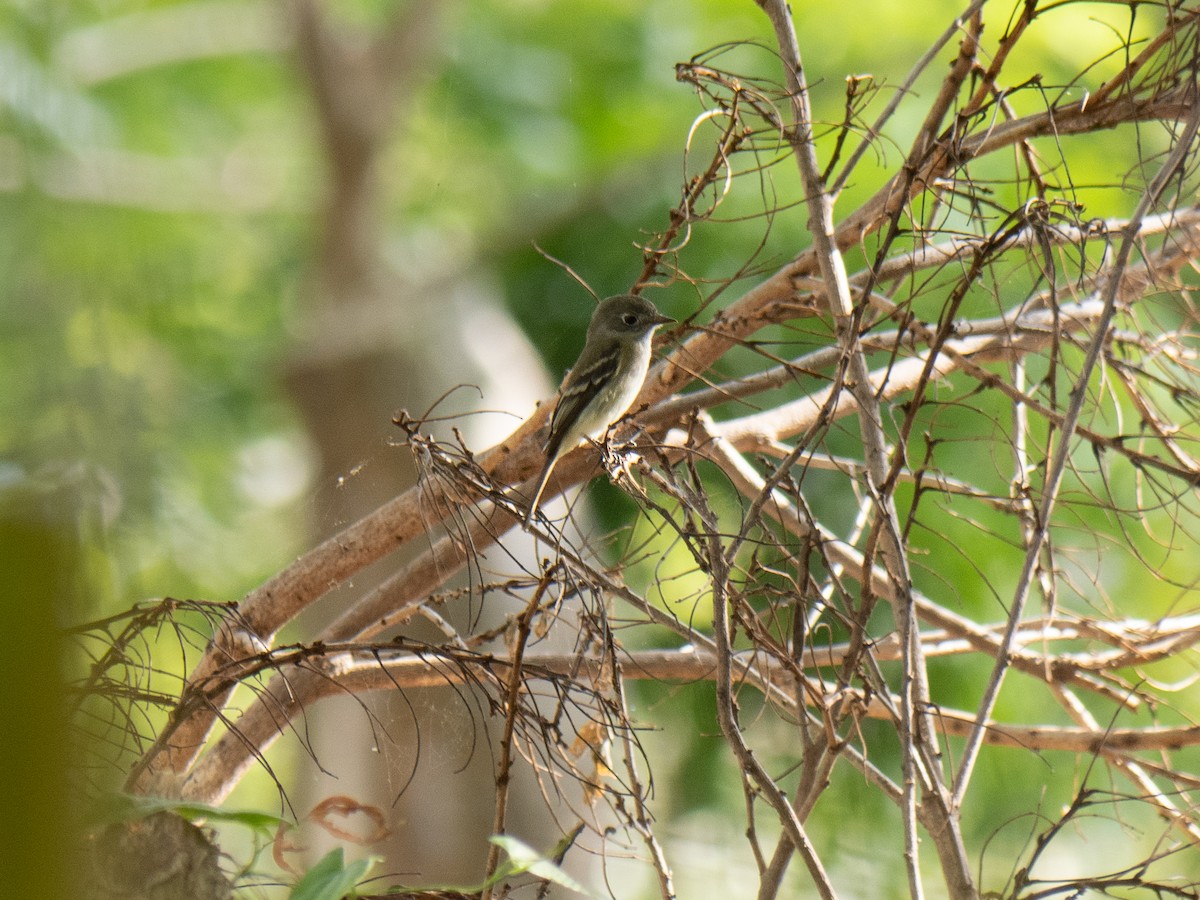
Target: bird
column 604, row 381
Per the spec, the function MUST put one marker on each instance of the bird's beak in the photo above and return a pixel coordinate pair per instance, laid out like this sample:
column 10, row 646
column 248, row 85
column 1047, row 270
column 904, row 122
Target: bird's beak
column 662, row 320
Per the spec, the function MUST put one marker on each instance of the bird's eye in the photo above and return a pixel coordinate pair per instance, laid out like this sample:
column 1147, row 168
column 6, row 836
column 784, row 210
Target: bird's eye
column 629, row 319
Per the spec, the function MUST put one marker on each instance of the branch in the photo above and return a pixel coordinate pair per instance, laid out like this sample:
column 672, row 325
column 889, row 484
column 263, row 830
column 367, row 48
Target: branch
column 1115, row 288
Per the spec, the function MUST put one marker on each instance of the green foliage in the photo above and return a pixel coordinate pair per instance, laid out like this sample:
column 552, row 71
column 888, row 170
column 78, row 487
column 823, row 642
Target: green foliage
column 331, row 878
column 128, row 808
column 524, row 860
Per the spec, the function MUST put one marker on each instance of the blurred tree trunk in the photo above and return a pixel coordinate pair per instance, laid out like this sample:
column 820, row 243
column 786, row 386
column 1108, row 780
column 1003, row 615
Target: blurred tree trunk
column 375, row 343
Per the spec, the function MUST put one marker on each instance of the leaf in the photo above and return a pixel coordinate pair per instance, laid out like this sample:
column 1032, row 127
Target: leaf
column 523, row 858
column 331, row 878
column 128, row 808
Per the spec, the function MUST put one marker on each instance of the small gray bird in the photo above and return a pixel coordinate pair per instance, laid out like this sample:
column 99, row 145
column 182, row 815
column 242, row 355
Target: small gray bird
column 604, row 381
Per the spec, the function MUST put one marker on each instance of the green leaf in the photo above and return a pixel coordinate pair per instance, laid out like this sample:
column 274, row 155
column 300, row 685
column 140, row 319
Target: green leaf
column 523, row 858
column 331, row 878
column 128, row 808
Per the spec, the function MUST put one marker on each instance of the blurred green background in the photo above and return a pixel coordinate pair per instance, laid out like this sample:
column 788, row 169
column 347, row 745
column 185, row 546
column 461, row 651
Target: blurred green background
column 164, row 221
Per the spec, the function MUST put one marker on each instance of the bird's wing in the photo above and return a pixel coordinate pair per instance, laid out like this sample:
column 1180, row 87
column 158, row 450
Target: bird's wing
column 583, row 384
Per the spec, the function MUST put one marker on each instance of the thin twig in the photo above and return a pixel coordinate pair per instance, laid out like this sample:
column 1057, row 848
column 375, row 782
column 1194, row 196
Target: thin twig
column 1112, row 293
